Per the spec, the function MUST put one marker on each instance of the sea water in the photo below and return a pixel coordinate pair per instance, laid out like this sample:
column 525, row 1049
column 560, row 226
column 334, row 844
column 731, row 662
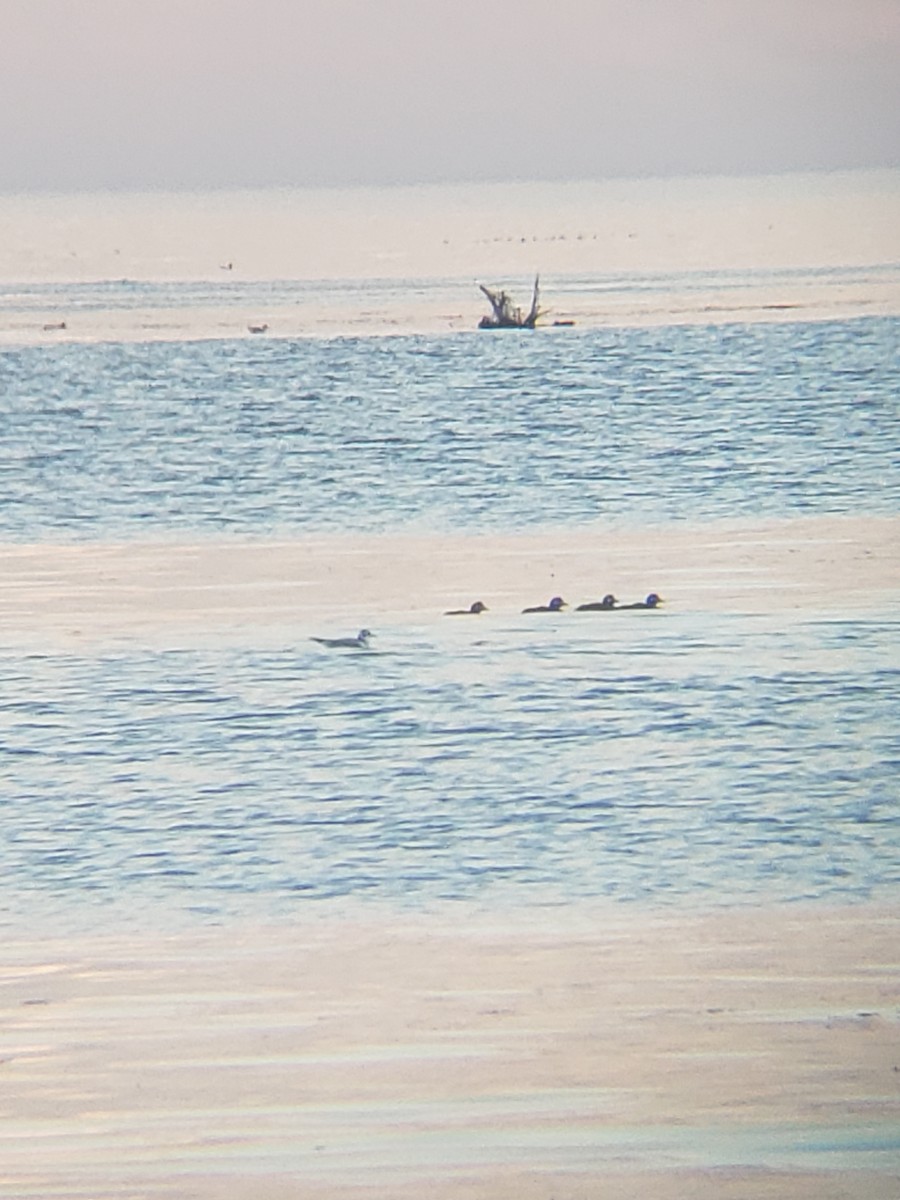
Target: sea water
column 659, row 757
column 467, row 432
column 657, row 760
column 663, row 758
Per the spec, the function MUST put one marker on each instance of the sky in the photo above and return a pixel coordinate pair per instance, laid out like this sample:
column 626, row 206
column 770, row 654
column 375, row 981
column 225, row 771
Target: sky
column 194, row 94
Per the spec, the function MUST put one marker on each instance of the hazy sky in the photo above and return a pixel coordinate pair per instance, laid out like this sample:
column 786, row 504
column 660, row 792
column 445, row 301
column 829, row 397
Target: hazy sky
column 210, row 93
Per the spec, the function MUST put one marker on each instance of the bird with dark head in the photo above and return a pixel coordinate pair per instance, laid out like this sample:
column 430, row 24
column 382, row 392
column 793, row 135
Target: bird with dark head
column 605, row 605
column 555, row 605
column 473, row 609
column 652, row 601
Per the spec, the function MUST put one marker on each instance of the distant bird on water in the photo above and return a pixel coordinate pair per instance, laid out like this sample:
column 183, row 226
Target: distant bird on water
column 360, row 642
column 605, row 605
column 475, row 608
column 257, row 328
column 652, row 601
column 555, row 605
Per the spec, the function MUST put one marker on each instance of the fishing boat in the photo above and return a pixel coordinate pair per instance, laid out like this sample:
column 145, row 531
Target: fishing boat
column 505, row 314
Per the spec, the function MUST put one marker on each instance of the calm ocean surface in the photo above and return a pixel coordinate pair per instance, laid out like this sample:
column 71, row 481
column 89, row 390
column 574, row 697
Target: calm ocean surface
column 460, row 431
column 657, row 757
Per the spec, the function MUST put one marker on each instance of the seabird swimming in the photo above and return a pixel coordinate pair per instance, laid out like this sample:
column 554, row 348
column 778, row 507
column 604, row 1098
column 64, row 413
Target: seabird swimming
column 652, row 601
column 555, row 605
column 477, row 607
column 360, row 642
column 608, row 602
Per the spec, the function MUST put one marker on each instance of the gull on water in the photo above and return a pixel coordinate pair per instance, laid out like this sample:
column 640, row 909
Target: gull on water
column 360, row 642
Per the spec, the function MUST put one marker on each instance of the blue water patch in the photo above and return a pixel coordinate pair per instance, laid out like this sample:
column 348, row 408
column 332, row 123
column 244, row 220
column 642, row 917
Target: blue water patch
column 464, row 431
column 678, row 759
column 641, row 758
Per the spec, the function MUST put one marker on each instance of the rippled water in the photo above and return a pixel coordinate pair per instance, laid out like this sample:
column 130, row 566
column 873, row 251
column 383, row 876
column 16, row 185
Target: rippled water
column 461, row 431
column 631, row 756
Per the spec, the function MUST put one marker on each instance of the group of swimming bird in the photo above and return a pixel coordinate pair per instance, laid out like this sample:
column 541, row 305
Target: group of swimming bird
column 608, row 604
column 557, row 604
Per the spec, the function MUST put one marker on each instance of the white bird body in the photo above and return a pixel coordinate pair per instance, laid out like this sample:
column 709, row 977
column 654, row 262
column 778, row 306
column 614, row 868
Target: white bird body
column 360, row 642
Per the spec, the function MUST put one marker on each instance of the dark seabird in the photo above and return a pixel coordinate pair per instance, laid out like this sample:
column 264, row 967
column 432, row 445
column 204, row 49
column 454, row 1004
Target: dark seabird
column 652, row 601
column 555, row 605
column 360, row 642
column 608, row 602
column 477, row 607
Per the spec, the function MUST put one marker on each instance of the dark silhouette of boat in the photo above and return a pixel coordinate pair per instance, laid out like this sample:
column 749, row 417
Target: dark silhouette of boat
column 505, row 314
